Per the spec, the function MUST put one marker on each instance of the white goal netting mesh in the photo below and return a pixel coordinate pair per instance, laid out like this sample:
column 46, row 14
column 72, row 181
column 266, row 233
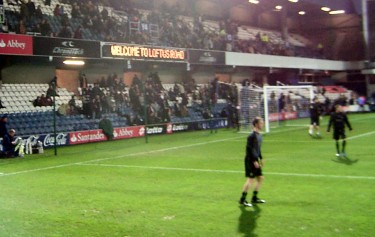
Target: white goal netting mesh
column 275, row 104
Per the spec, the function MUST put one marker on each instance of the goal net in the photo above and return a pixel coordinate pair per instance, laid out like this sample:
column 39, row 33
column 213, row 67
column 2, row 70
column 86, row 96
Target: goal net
column 275, row 104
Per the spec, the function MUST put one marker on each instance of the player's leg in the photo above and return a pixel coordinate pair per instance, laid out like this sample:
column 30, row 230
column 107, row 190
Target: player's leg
column 317, row 126
column 311, row 127
column 259, row 182
column 336, row 136
column 343, row 144
column 249, row 174
column 337, row 148
column 245, row 189
column 318, row 131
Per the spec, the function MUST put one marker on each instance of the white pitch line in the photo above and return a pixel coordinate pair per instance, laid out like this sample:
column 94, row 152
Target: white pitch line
column 133, row 154
column 114, row 158
column 361, row 135
column 320, row 141
column 232, row 171
column 160, row 150
column 35, row 170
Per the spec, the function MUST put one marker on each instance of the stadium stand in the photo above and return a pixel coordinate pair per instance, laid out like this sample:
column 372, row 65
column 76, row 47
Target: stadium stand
column 28, row 119
column 96, row 21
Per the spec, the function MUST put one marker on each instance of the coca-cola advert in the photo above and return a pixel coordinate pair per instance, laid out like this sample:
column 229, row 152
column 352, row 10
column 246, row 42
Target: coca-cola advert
column 86, row 137
column 47, row 140
column 16, row 44
column 61, row 140
column 128, row 132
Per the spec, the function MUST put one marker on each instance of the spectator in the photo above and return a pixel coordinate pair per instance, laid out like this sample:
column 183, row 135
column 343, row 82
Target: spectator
column 73, row 109
column 47, row 2
column 78, row 33
column 45, row 28
column 36, row 29
column 96, row 104
column 83, row 81
column 45, row 101
column 76, row 11
column 4, row 27
column 24, row 11
column 21, row 28
column 56, row 11
column 51, row 92
column 12, row 146
column 37, row 101
column 62, row 11
column 361, row 101
column 65, row 32
column 134, row 120
column 86, row 103
column 1, row 105
column 31, row 8
column 281, row 102
column 38, row 12
column 96, row 91
column 3, row 126
column 63, row 110
column 342, row 100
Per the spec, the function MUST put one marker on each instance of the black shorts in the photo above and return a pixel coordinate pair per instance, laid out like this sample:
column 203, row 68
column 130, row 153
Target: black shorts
column 315, row 120
column 250, row 170
column 339, row 134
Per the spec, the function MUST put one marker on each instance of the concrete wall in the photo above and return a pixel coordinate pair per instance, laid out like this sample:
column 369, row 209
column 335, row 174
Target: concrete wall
column 28, row 74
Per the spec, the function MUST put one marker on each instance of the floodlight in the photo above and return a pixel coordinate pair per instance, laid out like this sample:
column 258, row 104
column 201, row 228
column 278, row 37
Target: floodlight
column 74, row 62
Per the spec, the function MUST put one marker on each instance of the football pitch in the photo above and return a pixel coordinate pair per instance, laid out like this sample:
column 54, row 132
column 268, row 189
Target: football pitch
column 188, row 184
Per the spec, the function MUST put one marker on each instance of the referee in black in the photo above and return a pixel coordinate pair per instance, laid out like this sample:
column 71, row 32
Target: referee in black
column 253, row 163
column 338, row 120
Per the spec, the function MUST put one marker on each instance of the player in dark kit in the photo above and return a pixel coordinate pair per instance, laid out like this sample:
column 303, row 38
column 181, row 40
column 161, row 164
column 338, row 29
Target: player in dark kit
column 253, row 163
column 338, row 120
column 315, row 113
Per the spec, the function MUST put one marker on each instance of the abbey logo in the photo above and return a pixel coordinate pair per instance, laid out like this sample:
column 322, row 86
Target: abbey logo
column 12, row 44
column 15, row 44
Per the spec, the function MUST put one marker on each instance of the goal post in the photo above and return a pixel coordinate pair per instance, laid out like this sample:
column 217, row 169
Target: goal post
column 296, row 103
column 275, row 104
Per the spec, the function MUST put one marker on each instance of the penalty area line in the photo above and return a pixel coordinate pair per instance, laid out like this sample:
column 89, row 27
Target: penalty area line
column 230, row 171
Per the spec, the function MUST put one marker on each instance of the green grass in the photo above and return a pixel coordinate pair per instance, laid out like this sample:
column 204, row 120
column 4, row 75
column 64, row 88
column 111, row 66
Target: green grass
column 188, row 184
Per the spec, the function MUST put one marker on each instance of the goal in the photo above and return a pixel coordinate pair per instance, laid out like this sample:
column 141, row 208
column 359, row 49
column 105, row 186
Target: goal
column 275, row 104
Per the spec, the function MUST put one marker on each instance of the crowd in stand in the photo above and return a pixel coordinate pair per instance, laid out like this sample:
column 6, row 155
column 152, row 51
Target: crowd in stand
column 110, row 95
column 134, row 26
column 47, row 98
